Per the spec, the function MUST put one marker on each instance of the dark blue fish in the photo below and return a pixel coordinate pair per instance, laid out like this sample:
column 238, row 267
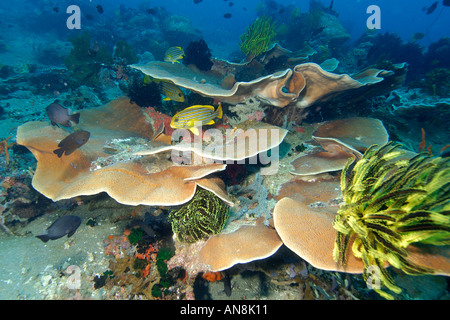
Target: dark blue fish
column 60, row 115
column 432, row 8
column 72, row 142
column 62, row 226
column 227, row 285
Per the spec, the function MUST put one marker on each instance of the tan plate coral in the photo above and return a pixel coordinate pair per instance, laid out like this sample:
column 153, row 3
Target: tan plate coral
column 303, row 84
column 250, row 242
column 150, row 180
column 393, row 213
column 340, row 139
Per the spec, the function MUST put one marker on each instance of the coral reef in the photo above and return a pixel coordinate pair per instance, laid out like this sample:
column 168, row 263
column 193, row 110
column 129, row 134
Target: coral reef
column 202, row 208
column 303, row 85
column 91, row 169
column 340, row 140
column 144, row 95
column 249, row 109
column 204, row 215
column 124, row 53
column 437, row 82
column 319, row 27
column 85, row 59
column 391, row 203
column 390, row 47
column 437, row 53
column 253, row 200
column 178, row 31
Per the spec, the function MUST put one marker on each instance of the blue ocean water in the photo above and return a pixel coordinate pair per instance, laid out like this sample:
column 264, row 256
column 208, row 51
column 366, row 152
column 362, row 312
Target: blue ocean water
column 77, row 54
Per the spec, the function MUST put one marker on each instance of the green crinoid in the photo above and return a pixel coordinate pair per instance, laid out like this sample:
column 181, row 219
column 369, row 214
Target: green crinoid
column 390, row 203
column 204, row 215
column 258, row 36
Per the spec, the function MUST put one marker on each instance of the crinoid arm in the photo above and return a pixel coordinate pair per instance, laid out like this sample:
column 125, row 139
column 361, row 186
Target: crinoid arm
column 391, row 203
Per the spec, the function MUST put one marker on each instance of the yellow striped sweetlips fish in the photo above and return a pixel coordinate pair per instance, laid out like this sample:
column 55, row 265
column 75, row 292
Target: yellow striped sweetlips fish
column 192, row 116
column 171, row 91
column 173, row 54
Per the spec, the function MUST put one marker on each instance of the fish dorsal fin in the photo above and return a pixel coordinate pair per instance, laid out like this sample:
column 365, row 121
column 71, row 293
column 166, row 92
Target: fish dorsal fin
column 200, row 106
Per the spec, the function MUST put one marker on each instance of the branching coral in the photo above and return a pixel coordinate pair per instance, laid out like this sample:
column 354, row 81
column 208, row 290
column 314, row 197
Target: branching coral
column 258, row 36
column 4, row 148
column 391, row 203
column 204, row 215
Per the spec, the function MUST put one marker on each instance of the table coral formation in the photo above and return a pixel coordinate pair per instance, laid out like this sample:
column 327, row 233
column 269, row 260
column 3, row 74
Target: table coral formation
column 340, row 139
column 294, row 185
column 302, row 85
column 127, row 181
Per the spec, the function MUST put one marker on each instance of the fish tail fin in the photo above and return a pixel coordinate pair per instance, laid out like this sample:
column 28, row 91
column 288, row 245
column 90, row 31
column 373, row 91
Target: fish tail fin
column 43, row 237
column 219, row 111
column 194, row 130
column 59, row 152
column 75, row 118
column 71, row 233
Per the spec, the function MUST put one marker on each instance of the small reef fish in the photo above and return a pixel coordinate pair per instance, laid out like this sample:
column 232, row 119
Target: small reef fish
column 167, row 88
column 227, row 285
column 197, row 1
column 433, row 7
column 418, row 36
column 227, row 15
column 185, row 119
column 62, row 226
column 171, row 91
column 99, row 9
column 60, row 115
column 72, row 142
column 173, row 54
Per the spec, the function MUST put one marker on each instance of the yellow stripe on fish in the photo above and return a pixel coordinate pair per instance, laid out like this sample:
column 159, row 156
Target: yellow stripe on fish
column 167, row 88
column 173, row 54
column 195, row 115
column 171, row 91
